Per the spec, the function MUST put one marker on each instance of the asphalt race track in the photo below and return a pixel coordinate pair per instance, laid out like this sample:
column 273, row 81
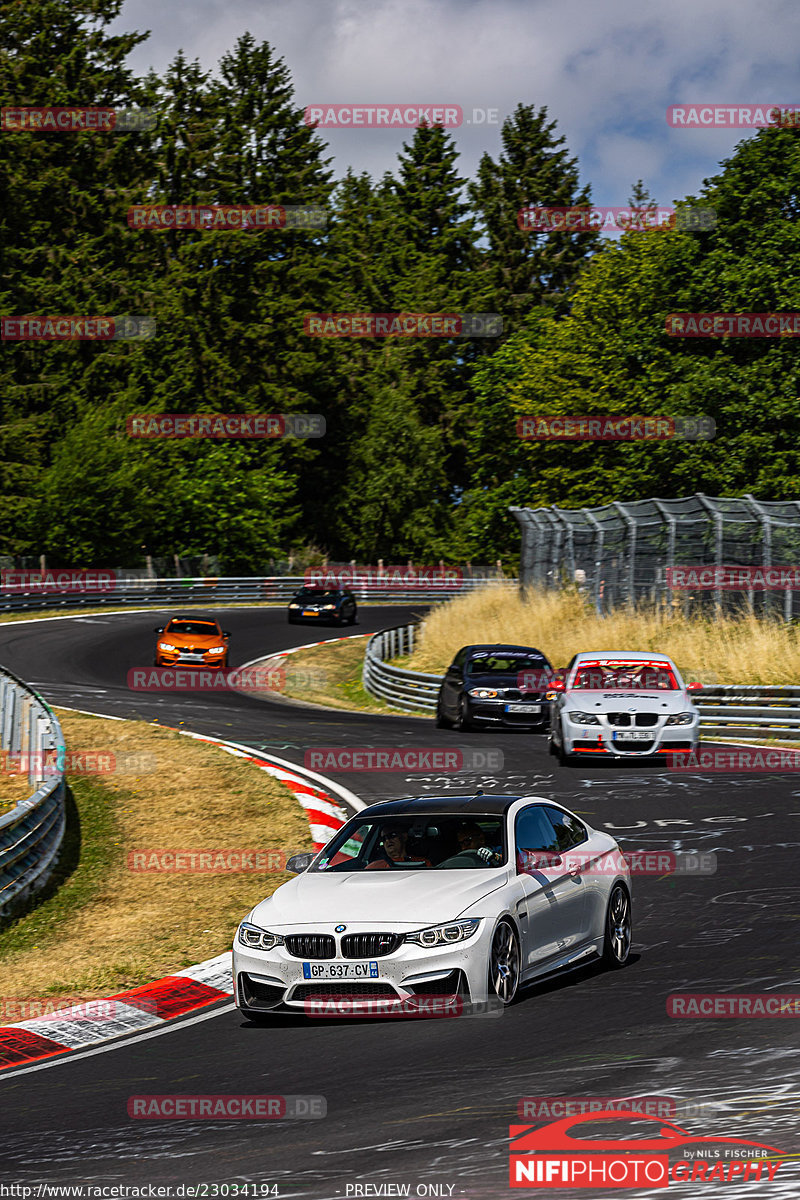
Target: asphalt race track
column 429, row 1101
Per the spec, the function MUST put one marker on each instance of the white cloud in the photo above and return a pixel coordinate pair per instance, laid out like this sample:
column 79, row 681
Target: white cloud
column 606, row 71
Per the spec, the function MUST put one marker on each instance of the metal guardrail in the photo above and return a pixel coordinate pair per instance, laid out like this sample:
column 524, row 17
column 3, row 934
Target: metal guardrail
column 32, row 832
column 212, row 592
column 413, row 691
column 726, row 710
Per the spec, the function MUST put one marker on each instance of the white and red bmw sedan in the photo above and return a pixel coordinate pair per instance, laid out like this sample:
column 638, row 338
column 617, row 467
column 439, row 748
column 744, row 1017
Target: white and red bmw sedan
column 624, row 705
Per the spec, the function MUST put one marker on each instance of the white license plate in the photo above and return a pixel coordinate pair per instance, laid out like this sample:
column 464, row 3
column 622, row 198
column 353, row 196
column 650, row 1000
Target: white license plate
column 625, row 736
column 190, row 657
column 332, row 970
column 529, row 708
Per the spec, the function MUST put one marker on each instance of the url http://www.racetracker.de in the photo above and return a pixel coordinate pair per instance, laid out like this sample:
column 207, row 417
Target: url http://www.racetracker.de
column 144, row 1191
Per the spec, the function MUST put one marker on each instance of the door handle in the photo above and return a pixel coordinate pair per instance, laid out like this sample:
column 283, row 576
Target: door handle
column 575, row 872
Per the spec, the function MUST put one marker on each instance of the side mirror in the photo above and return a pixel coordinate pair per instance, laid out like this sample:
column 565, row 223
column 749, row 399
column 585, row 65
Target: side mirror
column 556, row 685
column 226, row 633
column 694, row 687
column 159, row 629
column 300, row 862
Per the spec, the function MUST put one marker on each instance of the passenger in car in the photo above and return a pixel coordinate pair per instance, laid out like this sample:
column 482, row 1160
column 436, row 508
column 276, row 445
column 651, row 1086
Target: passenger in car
column 395, row 852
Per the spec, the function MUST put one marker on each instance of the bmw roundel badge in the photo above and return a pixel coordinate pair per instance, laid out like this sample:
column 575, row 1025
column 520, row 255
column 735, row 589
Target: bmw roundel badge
column 340, row 929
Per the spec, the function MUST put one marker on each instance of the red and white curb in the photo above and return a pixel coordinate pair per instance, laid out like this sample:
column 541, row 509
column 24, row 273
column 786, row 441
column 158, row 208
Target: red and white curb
column 206, row 983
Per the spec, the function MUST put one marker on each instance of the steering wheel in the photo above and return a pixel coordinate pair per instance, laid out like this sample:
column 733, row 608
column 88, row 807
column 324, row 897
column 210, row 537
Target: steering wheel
column 465, row 858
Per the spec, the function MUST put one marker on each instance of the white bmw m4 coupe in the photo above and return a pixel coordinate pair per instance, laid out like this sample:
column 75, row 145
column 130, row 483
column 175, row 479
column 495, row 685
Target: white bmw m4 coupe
column 623, row 705
column 463, row 897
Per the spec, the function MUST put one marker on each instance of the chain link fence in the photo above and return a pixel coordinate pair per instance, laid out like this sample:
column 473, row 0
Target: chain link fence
column 637, row 551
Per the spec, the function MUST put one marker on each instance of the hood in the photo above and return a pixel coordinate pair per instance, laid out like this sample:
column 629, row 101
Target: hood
column 192, row 639
column 408, row 898
column 508, row 679
column 662, row 703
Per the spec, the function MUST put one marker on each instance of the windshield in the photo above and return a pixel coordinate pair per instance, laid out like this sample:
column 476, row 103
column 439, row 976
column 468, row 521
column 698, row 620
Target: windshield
column 624, row 676
column 316, row 594
column 201, row 628
column 435, row 842
column 505, row 664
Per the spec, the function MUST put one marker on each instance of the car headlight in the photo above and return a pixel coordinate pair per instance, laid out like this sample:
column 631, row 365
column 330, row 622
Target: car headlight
column 482, row 693
column 680, row 719
column 444, row 935
column 580, row 718
column 256, row 938
column 294, row 605
column 166, row 646
column 328, row 607
column 216, row 650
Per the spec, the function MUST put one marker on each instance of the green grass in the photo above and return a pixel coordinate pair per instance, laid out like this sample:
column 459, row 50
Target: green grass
column 90, row 850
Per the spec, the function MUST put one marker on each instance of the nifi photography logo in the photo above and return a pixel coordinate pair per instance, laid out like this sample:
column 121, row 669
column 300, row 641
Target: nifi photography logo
column 617, row 1148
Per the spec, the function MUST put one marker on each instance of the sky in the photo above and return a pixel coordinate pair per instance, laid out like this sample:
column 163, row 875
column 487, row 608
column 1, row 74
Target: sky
column 606, row 70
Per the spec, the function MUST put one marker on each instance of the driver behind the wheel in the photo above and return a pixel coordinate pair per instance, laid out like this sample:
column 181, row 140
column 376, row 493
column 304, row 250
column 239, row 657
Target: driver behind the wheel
column 471, row 837
column 395, row 852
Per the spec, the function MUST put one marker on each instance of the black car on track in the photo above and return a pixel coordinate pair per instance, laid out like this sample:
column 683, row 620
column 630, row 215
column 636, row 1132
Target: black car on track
column 331, row 606
column 488, row 685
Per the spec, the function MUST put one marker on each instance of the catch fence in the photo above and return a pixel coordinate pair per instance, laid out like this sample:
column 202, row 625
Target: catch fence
column 622, row 553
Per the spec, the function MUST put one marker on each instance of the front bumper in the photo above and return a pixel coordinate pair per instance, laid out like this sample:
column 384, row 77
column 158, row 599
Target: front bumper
column 299, row 615
column 661, row 739
column 166, row 658
column 493, row 712
column 273, row 980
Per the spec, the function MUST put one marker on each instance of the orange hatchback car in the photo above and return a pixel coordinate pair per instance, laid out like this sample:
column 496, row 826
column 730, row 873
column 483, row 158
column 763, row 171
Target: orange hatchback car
column 191, row 640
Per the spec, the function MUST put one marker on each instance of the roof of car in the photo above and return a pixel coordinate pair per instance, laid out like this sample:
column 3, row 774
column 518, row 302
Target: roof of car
column 502, row 646
column 621, row 656
column 194, row 617
column 489, row 804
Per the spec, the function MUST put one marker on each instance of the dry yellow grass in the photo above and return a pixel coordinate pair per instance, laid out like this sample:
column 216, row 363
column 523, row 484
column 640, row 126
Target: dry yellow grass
column 14, row 787
column 724, row 650
column 138, row 926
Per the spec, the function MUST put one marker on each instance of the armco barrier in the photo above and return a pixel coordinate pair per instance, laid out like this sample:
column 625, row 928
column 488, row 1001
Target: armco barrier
column 726, row 710
column 411, row 690
column 31, row 833
column 213, row 592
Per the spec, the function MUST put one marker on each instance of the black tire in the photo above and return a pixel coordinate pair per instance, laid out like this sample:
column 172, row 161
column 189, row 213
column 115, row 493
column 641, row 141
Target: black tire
column 618, row 931
column 504, row 963
column 442, row 722
column 464, row 722
column 551, row 746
